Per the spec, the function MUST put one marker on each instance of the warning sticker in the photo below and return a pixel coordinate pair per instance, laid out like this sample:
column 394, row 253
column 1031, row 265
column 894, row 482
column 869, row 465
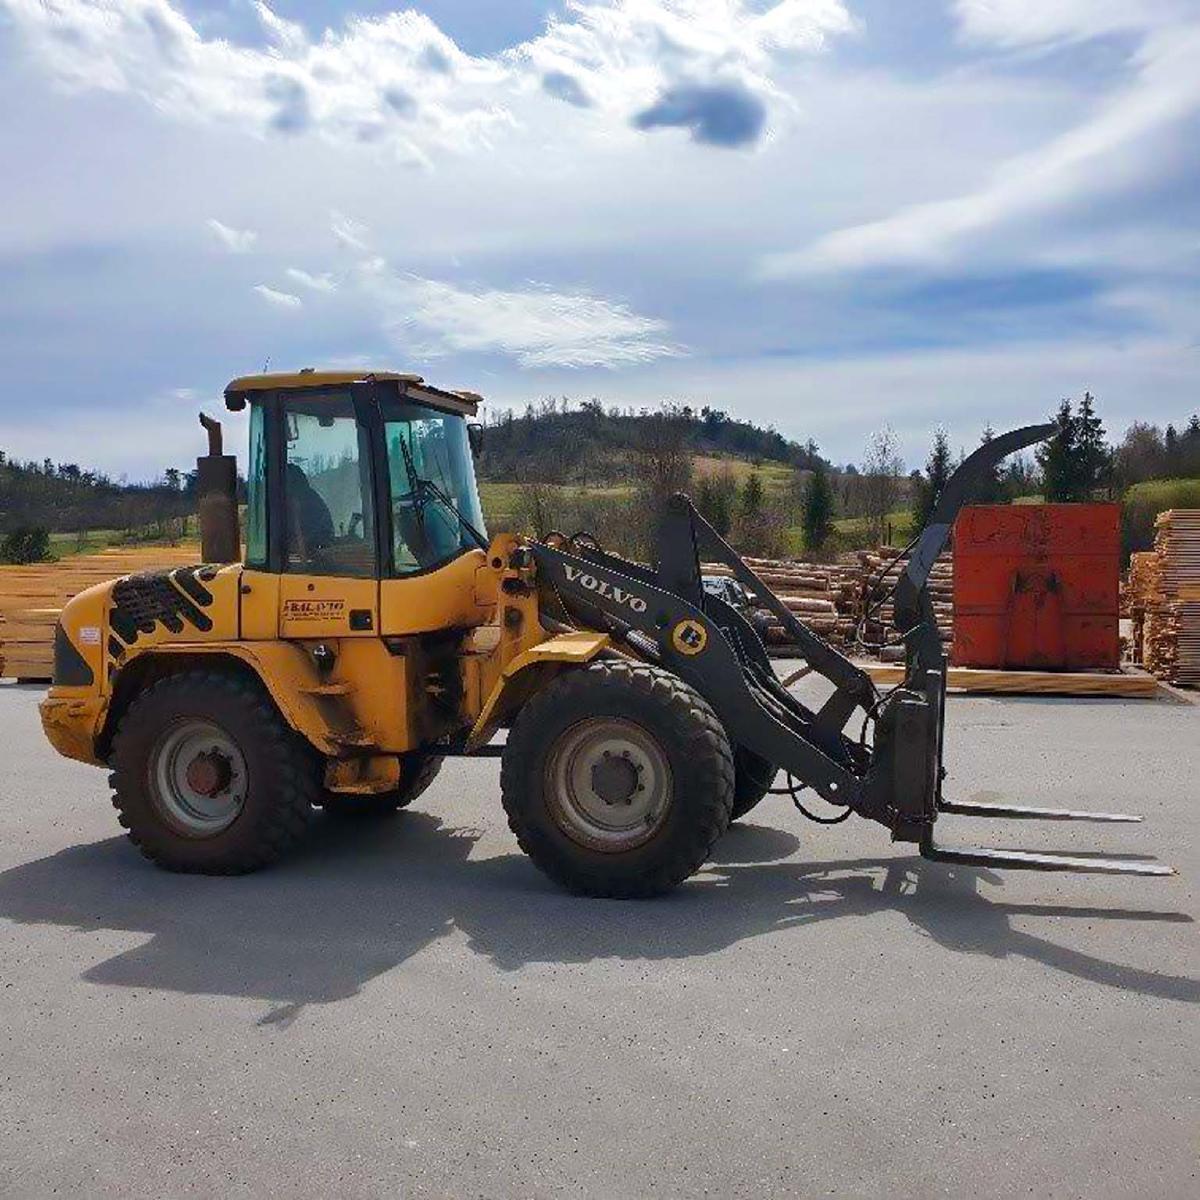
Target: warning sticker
column 89, row 635
column 313, row 610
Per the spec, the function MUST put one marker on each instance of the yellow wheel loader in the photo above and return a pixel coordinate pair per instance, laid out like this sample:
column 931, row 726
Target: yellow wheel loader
column 370, row 629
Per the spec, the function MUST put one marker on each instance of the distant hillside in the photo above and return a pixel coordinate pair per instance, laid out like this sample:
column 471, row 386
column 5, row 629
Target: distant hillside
column 588, row 444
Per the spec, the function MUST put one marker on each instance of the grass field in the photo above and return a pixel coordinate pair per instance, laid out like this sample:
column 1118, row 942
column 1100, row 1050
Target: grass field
column 1161, row 494
column 855, row 529
column 776, row 477
column 88, row 542
column 501, row 501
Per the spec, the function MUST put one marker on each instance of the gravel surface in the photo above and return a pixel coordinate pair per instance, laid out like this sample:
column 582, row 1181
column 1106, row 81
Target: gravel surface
column 408, row 1008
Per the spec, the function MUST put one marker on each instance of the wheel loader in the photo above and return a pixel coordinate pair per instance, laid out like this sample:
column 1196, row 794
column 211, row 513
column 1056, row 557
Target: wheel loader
column 371, row 629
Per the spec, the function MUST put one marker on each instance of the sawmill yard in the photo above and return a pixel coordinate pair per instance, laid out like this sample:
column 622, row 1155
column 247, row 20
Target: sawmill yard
column 412, row 1007
column 408, row 1005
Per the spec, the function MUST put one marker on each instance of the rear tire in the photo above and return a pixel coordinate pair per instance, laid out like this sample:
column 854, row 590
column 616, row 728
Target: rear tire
column 753, row 777
column 207, row 777
column 617, row 779
column 417, row 772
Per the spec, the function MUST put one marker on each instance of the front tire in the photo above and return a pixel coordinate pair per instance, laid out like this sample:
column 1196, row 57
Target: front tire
column 207, row 777
column 617, row 779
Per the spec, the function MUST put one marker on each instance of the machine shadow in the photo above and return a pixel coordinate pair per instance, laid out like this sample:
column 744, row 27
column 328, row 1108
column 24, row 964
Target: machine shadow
column 362, row 899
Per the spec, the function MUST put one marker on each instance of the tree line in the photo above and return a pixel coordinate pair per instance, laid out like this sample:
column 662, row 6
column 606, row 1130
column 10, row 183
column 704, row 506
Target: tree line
column 610, row 471
column 1077, row 463
column 40, row 498
column 822, row 509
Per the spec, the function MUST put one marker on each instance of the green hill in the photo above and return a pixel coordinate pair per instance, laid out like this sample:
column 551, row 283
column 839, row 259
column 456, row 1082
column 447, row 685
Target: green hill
column 593, row 446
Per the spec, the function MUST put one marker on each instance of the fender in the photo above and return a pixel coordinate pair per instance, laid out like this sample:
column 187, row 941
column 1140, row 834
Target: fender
column 528, row 668
column 305, row 701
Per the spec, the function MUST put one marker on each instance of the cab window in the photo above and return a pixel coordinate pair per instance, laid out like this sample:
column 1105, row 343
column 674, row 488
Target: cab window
column 256, row 491
column 435, row 503
column 329, row 526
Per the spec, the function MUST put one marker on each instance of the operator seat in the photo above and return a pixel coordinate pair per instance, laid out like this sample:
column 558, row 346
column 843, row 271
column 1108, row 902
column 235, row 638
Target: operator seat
column 310, row 523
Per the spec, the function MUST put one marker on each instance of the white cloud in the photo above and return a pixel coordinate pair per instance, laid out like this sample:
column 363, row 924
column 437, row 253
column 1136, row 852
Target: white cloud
column 1014, row 23
column 536, row 326
column 679, row 62
column 394, row 79
column 1074, row 167
column 397, row 80
column 1044, row 181
column 236, row 241
column 348, row 233
column 277, row 298
column 323, row 282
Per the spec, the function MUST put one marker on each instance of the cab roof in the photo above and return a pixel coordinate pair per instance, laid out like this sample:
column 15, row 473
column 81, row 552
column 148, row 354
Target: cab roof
column 411, row 387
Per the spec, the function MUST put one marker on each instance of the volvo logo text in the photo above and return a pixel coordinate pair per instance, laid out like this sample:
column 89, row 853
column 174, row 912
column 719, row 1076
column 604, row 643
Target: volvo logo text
column 603, row 588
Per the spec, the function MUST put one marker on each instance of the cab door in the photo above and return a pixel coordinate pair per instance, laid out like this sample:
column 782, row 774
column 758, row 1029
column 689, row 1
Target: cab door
column 329, row 578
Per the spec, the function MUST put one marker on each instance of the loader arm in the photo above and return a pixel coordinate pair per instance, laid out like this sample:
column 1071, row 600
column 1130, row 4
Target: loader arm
column 911, row 612
column 661, row 613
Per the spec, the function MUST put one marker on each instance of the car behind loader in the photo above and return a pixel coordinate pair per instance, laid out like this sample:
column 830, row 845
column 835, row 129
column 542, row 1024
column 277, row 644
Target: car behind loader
column 371, row 629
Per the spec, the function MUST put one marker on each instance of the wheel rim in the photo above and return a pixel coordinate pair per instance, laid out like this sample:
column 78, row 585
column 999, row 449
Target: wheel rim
column 609, row 784
column 199, row 778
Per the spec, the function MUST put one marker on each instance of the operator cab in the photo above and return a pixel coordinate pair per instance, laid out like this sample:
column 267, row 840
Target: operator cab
column 359, row 487
column 357, row 475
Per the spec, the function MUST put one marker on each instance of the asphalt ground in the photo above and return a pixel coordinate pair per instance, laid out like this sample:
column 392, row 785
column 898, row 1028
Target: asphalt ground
column 409, row 1009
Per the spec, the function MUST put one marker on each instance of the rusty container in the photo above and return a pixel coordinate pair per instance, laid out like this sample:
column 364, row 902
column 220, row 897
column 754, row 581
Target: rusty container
column 1036, row 586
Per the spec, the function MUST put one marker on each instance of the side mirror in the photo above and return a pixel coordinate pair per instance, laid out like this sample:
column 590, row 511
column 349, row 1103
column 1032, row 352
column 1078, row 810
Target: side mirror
column 475, row 438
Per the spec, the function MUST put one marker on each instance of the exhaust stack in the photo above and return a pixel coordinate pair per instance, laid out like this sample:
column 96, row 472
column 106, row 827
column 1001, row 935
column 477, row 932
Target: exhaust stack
column 216, row 485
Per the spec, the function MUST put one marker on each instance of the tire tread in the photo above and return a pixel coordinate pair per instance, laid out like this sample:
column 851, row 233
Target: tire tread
column 295, row 775
column 707, row 742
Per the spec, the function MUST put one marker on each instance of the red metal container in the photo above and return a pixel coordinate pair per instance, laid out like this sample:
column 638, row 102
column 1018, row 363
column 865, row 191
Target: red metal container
column 1036, row 586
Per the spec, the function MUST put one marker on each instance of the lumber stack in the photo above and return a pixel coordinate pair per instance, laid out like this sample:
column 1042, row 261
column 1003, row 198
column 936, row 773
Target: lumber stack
column 1138, row 592
column 1163, row 593
column 1127, row 684
column 31, row 598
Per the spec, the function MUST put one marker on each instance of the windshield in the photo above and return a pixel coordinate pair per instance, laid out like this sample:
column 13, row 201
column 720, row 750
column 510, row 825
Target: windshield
column 435, row 503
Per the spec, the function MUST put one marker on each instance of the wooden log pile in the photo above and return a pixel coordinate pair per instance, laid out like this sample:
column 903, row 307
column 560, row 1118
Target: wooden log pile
column 1162, row 598
column 31, row 598
column 831, row 598
column 880, row 571
column 807, row 589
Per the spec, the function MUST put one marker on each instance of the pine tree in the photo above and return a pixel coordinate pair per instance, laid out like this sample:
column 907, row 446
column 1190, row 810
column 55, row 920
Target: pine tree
column 752, row 497
column 818, row 508
column 1093, row 458
column 1189, row 447
column 1171, row 453
column 1058, row 458
column 937, row 471
column 712, row 500
column 990, row 489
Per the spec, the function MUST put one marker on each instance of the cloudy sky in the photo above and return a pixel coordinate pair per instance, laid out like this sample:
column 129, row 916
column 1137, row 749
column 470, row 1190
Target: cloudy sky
column 822, row 214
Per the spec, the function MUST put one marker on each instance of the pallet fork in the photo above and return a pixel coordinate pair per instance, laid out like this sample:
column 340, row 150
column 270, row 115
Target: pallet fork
column 894, row 777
